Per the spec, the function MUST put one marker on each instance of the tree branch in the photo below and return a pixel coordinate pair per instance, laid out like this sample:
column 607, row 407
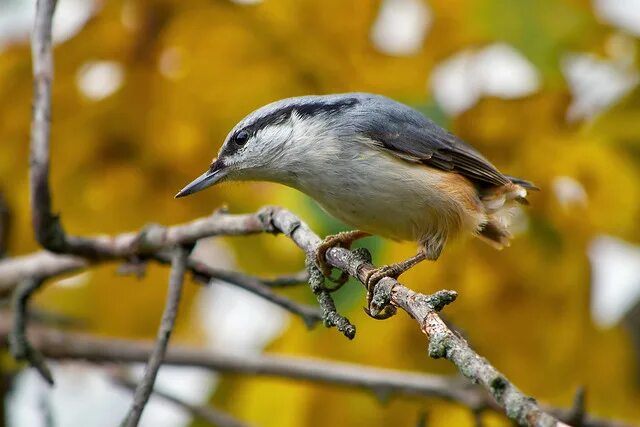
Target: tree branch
column 45, row 224
column 19, row 345
column 383, row 383
column 58, row 345
column 176, row 279
column 424, row 309
column 44, row 265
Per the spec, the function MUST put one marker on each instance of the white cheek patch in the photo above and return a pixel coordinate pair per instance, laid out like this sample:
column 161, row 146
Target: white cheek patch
column 271, row 137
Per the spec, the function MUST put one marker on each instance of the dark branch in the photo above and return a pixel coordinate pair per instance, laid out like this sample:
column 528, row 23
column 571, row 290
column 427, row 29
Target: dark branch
column 176, row 279
column 19, row 345
column 45, row 224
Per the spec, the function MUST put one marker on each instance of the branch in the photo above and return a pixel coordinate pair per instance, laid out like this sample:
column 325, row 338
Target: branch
column 205, row 274
column 424, row 309
column 44, row 265
column 383, row 383
column 211, row 415
column 176, row 279
column 58, row 345
column 19, row 345
column 45, row 224
column 128, row 245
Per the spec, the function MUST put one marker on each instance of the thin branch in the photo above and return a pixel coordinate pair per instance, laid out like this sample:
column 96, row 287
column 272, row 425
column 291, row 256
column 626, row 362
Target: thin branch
column 42, row 265
column 45, row 265
column 176, row 279
column 384, row 383
column 330, row 315
column 124, row 246
column 45, row 224
column 579, row 408
column 205, row 274
column 300, row 278
column 19, row 344
column 424, row 309
column 211, row 415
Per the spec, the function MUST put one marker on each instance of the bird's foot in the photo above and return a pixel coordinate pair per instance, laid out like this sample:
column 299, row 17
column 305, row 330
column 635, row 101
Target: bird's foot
column 379, row 303
column 343, row 239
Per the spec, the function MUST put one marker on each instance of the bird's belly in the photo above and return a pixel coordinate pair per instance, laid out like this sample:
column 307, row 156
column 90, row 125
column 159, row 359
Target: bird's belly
column 391, row 198
column 384, row 215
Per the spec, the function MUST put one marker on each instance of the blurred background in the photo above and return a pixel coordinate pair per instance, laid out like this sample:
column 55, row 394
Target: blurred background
column 146, row 91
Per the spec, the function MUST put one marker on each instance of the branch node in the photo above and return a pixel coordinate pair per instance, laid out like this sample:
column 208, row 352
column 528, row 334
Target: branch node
column 578, row 410
column 362, row 255
column 149, row 239
column 51, row 234
column 265, row 215
column 440, row 299
column 135, row 266
column 498, row 384
column 438, row 347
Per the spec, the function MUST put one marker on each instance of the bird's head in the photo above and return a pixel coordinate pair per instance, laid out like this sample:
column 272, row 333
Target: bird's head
column 271, row 142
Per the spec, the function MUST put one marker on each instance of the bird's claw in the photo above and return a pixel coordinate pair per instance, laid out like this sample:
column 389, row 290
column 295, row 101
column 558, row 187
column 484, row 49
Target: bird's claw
column 379, row 300
column 343, row 240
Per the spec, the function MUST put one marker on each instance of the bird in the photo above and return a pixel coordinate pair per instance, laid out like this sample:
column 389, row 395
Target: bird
column 377, row 165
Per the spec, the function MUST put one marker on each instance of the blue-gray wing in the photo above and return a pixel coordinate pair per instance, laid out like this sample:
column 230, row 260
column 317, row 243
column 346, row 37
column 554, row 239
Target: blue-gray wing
column 411, row 136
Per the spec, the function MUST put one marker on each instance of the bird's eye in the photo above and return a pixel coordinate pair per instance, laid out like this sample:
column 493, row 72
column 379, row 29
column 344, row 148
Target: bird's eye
column 241, row 137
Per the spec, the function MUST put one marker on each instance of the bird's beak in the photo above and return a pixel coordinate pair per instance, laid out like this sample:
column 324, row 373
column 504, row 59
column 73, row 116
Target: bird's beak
column 207, row 179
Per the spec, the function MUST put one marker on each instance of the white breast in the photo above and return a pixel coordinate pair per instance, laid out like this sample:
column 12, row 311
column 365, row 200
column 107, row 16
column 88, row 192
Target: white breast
column 374, row 191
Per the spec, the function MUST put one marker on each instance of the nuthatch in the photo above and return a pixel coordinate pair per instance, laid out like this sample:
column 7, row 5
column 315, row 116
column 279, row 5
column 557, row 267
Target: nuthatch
column 377, row 165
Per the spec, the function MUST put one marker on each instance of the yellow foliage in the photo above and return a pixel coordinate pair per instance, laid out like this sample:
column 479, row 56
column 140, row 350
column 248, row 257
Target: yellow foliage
column 193, row 69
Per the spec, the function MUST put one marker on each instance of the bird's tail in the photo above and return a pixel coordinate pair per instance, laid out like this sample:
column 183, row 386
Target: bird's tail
column 501, row 203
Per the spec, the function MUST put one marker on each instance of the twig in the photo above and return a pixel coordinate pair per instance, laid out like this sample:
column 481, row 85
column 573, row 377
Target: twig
column 124, row 246
column 286, row 281
column 211, row 415
column 205, row 273
column 45, row 224
column 45, row 265
column 18, row 342
column 176, row 279
column 578, row 409
column 330, row 315
column 424, row 309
